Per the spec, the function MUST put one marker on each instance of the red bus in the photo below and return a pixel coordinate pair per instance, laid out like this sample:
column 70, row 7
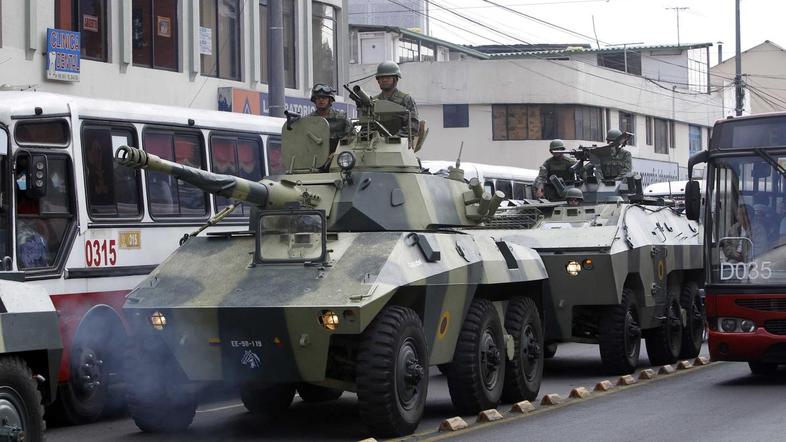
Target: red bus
column 745, row 239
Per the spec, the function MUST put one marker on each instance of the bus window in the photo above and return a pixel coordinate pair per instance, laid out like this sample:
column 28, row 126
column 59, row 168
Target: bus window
column 274, row 164
column 519, row 191
column 168, row 196
column 237, row 156
column 488, row 186
column 38, row 132
column 505, row 187
column 42, row 223
column 112, row 190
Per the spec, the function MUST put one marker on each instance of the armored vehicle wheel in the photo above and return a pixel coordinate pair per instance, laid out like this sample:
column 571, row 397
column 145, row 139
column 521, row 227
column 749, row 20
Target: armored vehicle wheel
column 21, row 413
column 270, row 401
column 392, row 372
column 157, row 401
column 619, row 336
column 665, row 342
column 549, row 350
column 523, row 374
column 762, row 369
column 477, row 376
column 318, row 393
column 693, row 333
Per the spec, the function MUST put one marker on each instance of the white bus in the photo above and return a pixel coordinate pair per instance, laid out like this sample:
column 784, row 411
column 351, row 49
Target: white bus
column 88, row 230
column 673, row 190
column 515, row 182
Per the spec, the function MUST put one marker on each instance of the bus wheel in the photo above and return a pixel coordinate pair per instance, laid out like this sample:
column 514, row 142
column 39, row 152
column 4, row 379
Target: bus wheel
column 21, row 413
column 524, row 372
column 83, row 399
column 392, row 373
column 693, row 333
column 664, row 343
column 477, row 376
column 762, row 369
column 619, row 336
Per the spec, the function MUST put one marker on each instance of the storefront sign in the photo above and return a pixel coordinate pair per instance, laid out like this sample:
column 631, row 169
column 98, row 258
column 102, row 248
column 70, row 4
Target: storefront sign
column 63, row 55
column 257, row 103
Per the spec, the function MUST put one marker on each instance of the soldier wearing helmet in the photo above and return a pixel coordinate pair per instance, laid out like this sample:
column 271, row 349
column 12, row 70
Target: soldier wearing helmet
column 388, row 74
column 558, row 165
column 323, row 96
column 620, row 162
column 574, row 196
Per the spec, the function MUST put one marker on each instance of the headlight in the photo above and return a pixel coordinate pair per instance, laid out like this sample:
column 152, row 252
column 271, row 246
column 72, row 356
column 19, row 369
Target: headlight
column 346, row 161
column 329, row 319
column 736, row 325
column 728, row 324
column 158, row 320
column 587, row 264
column 747, row 325
column 573, row 268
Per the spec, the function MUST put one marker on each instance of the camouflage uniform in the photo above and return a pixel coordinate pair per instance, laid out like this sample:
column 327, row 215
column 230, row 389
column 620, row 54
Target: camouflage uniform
column 619, row 164
column 405, row 100
column 554, row 166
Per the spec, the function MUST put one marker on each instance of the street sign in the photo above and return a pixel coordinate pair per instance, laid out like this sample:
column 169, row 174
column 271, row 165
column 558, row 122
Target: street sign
column 63, row 55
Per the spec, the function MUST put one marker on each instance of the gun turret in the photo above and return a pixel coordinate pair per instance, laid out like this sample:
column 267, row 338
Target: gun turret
column 228, row 186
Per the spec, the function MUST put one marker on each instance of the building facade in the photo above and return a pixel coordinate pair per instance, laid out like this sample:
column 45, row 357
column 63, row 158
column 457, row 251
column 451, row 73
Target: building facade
column 202, row 53
column 764, row 77
column 407, row 14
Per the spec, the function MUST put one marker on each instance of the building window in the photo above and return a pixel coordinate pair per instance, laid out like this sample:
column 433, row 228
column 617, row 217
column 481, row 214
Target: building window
column 112, row 190
column 325, row 44
column 167, row 195
column 628, row 124
column 155, row 33
column 672, row 135
column 545, row 122
column 415, row 50
column 625, row 61
column 694, row 139
column 661, row 136
column 232, row 155
column 89, row 17
column 289, row 42
column 219, row 28
column 427, row 51
column 648, row 130
column 455, row 115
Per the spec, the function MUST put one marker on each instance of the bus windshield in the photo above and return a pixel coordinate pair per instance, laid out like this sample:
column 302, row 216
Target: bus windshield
column 747, row 208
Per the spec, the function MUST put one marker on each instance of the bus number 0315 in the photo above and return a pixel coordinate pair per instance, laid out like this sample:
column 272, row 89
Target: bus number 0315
column 101, row 252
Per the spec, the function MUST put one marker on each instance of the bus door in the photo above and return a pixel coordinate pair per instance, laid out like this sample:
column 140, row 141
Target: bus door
column 5, row 198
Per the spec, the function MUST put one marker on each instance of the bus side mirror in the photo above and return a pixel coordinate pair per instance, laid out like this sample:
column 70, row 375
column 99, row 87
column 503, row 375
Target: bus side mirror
column 692, row 200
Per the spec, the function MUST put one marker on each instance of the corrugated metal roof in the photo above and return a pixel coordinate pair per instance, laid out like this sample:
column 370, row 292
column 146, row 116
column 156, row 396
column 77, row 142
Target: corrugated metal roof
column 580, row 50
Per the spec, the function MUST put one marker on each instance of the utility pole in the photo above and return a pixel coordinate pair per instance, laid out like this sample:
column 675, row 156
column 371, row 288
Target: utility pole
column 275, row 62
column 738, row 62
column 677, row 9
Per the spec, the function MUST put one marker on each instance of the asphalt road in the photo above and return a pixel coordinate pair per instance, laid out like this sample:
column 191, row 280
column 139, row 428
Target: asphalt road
column 574, row 365
column 722, row 402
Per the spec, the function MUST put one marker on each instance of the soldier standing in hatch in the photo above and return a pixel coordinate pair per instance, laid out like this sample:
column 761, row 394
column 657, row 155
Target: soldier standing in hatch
column 323, row 96
column 388, row 74
column 558, row 165
column 620, row 162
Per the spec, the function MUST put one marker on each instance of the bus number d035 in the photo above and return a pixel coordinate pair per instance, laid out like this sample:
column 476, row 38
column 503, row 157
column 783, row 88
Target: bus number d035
column 745, row 270
column 101, row 252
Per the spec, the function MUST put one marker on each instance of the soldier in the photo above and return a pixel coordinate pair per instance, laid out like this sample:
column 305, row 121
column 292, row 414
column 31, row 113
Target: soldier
column 558, row 165
column 574, row 196
column 323, row 96
column 388, row 74
column 620, row 162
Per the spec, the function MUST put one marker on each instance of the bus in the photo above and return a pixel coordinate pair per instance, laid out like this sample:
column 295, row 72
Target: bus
column 88, row 230
column 515, row 182
column 745, row 234
column 670, row 191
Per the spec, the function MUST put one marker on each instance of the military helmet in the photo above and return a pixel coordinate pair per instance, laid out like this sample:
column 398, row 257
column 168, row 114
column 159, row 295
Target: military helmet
column 388, row 68
column 613, row 135
column 323, row 90
column 556, row 146
column 576, row 193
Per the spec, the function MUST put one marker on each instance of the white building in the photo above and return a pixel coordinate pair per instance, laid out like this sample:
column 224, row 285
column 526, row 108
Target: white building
column 506, row 108
column 764, row 77
column 199, row 53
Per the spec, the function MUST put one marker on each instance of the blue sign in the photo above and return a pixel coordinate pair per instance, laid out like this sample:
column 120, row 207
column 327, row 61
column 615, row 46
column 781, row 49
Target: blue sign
column 304, row 106
column 63, row 50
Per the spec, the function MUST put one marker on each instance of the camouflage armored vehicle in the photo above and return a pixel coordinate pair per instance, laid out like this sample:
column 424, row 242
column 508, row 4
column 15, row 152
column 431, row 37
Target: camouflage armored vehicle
column 357, row 273
column 30, row 350
column 621, row 267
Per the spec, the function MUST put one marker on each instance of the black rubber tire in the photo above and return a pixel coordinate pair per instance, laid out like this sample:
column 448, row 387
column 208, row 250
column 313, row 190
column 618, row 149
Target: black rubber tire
column 157, row 399
column 693, row 333
column 316, row 393
column 524, row 373
column 392, row 373
column 20, row 398
column 619, row 336
column 477, row 376
column 762, row 369
column 270, row 401
column 664, row 342
column 550, row 350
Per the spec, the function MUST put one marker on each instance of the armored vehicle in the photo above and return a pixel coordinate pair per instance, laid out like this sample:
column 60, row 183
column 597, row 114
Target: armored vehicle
column 358, row 271
column 621, row 267
column 30, row 351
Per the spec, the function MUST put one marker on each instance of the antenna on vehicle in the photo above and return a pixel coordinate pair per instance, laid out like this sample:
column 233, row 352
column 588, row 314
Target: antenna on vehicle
column 458, row 160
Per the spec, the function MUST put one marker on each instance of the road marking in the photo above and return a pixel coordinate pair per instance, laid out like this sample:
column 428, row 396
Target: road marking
column 225, row 407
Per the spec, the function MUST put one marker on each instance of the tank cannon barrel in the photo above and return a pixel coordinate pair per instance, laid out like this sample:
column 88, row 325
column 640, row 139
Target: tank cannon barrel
column 228, row 186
